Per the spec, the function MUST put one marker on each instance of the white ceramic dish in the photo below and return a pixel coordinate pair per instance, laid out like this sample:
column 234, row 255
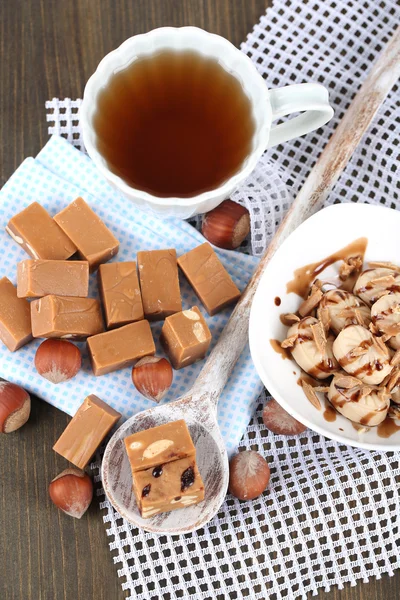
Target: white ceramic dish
column 324, row 233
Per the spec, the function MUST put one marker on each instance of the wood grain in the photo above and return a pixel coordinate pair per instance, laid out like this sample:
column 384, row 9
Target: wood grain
column 48, row 49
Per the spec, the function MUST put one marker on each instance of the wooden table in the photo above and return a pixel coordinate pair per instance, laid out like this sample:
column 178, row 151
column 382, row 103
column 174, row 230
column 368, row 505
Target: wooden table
column 48, row 49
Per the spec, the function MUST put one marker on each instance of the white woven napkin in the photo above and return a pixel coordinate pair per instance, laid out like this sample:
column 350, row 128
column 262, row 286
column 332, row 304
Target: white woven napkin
column 330, row 515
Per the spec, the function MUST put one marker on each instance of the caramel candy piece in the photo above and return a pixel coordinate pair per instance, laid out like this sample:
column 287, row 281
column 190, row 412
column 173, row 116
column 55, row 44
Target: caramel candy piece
column 159, row 282
column 159, row 445
column 36, row 232
column 94, row 240
column 15, row 317
column 38, row 278
column 120, row 291
column 185, row 337
column 168, row 487
column 65, row 317
column 121, row 347
column 84, row 434
column 209, row 278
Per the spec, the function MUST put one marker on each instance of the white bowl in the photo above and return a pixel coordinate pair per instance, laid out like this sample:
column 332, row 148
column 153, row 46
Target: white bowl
column 322, row 234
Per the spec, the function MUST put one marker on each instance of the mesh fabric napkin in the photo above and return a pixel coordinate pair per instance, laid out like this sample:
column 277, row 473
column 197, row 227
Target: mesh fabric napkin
column 331, row 513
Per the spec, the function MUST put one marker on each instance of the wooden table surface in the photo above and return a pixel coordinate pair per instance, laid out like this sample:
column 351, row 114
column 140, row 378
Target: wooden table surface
column 49, row 48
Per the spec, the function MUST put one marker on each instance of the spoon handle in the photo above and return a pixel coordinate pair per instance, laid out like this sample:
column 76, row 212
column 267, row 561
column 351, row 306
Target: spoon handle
column 383, row 75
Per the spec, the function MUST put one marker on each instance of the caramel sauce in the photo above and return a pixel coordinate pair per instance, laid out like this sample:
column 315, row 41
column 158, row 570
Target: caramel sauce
column 365, row 420
column 366, row 368
column 341, row 398
column 304, row 276
column 387, row 428
column 349, row 358
column 277, row 301
column 325, row 366
column 329, row 413
column 284, row 352
column 356, row 426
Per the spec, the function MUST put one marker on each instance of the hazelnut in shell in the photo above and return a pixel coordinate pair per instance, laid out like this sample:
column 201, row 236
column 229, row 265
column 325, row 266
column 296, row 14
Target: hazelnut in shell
column 58, row 360
column 248, row 475
column 72, row 492
column 227, row 225
column 15, row 407
column 277, row 420
column 152, row 376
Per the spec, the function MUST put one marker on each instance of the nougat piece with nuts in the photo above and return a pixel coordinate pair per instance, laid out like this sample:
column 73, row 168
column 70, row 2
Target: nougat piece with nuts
column 159, row 445
column 185, row 337
column 168, row 486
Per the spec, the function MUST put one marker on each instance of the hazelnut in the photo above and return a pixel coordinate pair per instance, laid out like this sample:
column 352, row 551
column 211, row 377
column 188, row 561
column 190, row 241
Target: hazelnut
column 152, row 377
column 277, row 420
column 227, row 225
column 58, row 360
column 72, row 492
column 15, row 407
column 248, row 475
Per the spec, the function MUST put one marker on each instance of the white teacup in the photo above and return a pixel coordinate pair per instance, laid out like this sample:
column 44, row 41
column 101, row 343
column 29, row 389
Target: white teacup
column 311, row 99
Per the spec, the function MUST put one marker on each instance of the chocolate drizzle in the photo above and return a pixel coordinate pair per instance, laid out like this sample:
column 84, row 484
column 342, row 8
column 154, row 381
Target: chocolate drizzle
column 304, row 276
column 387, row 428
column 329, row 413
column 284, row 352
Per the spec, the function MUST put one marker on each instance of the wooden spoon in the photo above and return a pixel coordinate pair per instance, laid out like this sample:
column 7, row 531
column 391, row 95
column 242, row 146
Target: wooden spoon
column 198, row 406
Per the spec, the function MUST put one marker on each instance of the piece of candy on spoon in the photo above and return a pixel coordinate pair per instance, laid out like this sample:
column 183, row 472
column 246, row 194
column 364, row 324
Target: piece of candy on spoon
column 164, row 470
column 168, row 486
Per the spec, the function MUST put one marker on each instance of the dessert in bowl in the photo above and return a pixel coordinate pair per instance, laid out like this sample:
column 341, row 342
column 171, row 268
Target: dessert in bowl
column 328, row 354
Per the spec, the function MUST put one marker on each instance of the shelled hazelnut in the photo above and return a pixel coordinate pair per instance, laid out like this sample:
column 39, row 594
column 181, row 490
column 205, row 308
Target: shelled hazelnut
column 15, row 407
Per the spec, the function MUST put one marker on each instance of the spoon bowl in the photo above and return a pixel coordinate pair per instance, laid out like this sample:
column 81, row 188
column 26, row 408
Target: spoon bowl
column 211, row 459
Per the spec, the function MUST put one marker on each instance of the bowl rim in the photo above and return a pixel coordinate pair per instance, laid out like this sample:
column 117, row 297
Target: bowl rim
column 114, row 59
column 264, row 373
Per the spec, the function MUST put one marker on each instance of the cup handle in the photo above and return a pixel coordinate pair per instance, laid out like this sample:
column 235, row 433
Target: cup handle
column 312, row 98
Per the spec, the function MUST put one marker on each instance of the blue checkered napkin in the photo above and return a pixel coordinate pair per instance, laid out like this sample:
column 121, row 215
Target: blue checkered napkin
column 57, row 176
